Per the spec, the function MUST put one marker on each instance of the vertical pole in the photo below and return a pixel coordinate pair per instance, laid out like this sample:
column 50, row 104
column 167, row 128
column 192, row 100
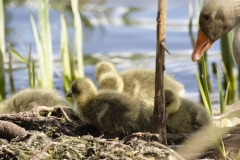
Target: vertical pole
column 159, row 117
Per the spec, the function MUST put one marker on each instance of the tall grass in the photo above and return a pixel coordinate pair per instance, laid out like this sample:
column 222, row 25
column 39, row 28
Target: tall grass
column 203, row 87
column 207, row 102
column 32, row 80
column 44, row 50
column 10, row 71
column 2, row 53
column 78, row 36
column 44, row 44
column 198, row 6
column 230, row 74
column 65, row 55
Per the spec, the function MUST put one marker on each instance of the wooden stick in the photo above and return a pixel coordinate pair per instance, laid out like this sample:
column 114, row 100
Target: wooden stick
column 159, row 117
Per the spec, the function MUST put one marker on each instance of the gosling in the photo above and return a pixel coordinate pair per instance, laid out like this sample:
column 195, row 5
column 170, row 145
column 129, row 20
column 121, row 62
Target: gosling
column 104, row 67
column 184, row 115
column 112, row 112
column 139, row 81
column 27, row 99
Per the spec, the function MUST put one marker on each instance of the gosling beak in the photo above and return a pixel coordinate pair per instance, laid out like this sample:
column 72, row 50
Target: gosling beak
column 69, row 94
column 201, row 46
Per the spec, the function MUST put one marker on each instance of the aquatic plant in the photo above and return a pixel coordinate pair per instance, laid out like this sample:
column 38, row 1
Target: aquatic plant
column 32, row 80
column 217, row 140
column 43, row 43
column 78, row 37
column 229, row 71
column 67, row 73
column 2, row 54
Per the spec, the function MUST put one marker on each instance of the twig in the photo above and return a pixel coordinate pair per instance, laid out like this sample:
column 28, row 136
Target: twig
column 9, row 130
column 146, row 135
column 159, row 117
column 66, row 116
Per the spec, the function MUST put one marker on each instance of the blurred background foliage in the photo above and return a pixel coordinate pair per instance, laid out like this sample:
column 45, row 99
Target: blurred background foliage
column 70, row 58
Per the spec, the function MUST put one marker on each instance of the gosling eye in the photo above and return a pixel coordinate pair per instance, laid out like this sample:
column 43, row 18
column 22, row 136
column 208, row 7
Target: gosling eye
column 206, row 17
column 167, row 103
column 75, row 91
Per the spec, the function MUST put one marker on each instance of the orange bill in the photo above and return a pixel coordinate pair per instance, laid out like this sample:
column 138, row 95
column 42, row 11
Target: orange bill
column 202, row 44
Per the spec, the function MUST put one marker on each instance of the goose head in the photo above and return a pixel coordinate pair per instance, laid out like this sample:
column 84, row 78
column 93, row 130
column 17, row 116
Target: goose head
column 172, row 101
column 104, row 67
column 82, row 90
column 111, row 81
column 217, row 18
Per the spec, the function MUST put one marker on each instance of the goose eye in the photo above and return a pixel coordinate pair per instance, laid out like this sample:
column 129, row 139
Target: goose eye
column 75, row 91
column 206, row 17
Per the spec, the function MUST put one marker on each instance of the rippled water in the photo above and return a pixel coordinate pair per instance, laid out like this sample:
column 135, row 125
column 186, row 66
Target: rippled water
column 119, row 40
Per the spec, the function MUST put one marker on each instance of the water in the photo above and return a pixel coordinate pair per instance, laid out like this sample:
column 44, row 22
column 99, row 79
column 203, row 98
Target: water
column 124, row 41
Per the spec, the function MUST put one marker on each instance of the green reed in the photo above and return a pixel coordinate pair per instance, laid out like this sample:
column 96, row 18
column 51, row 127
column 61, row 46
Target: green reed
column 71, row 70
column 67, row 75
column 10, row 72
column 32, row 80
column 203, row 87
column 78, row 36
column 43, row 43
column 2, row 54
column 229, row 71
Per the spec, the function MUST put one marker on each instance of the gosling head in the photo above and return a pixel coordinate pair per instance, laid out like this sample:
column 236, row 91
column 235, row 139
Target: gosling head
column 172, row 101
column 104, row 67
column 111, row 81
column 82, row 90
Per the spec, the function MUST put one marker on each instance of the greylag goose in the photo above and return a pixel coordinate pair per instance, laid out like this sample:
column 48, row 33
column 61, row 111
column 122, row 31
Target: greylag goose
column 217, row 18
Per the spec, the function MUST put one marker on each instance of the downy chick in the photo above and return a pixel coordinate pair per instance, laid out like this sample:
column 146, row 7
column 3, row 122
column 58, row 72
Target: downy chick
column 137, row 82
column 111, row 81
column 27, row 99
column 110, row 111
column 184, row 115
column 145, row 78
column 104, row 67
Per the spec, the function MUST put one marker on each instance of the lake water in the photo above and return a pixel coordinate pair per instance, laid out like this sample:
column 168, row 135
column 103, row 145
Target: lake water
column 119, row 40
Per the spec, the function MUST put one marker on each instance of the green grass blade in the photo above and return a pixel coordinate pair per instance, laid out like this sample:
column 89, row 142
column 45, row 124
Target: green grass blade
column 205, row 82
column 31, row 69
column 46, row 41
column 218, row 142
column 42, row 80
column 11, row 81
column 225, row 99
column 2, row 53
column 229, row 64
column 67, row 75
column 18, row 56
column 78, row 36
column 2, row 29
column 190, row 25
column 2, row 78
column 208, row 108
column 220, row 89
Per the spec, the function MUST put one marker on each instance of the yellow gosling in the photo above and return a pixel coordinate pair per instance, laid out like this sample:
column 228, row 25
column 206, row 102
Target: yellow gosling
column 112, row 112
